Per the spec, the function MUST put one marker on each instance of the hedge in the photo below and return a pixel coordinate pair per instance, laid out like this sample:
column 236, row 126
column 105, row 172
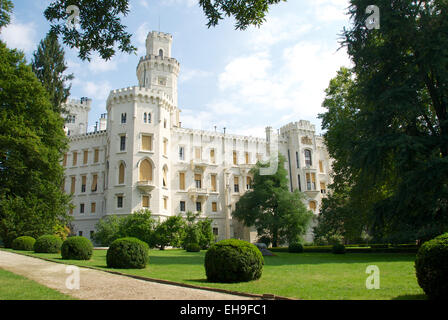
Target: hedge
column 23, row 243
column 76, row 248
column 127, row 253
column 48, row 244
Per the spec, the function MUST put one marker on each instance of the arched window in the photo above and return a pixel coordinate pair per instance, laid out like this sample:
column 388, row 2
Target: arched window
column 145, row 172
column 144, row 117
column 161, row 53
column 308, row 161
column 121, row 173
column 149, row 118
column 165, row 176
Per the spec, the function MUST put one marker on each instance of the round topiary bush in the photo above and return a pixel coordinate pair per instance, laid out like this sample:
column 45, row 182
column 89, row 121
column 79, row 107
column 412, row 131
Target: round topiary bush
column 48, row 244
column 76, row 248
column 193, row 247
column 295, row 247
column 431, row 266
column 338, row 248
column 233, row 260
column 23, row 243
column 127, row 253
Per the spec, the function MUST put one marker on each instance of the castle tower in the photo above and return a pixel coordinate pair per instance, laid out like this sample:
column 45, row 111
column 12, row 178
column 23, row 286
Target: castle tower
column 158, row 70
column 76, row 115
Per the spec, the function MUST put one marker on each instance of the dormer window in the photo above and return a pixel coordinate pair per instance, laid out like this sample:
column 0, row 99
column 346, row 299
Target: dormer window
column 123, row 118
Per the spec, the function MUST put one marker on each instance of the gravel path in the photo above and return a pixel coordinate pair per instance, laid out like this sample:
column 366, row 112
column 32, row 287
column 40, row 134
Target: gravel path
column 99, row 285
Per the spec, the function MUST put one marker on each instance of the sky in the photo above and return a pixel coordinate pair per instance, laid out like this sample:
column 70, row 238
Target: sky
column 241, row 80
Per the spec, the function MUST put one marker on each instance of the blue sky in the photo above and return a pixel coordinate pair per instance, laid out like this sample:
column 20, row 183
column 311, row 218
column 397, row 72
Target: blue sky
column 241, row 80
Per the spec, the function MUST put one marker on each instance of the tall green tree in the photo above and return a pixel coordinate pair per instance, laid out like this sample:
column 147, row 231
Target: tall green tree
column 277, row 213
column 49, row 66
column 6, row 7
column 32, row 141
column 170, row 232
column 102, row 31
column 397, row 148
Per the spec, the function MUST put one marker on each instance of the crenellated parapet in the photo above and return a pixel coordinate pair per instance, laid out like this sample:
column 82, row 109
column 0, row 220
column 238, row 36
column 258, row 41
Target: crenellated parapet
column 141, row 94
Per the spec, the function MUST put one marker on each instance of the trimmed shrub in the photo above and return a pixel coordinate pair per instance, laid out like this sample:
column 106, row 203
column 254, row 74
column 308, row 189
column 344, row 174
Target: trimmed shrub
column 23, row 243
column 48, row 244
column 193, row 247
column 295, row 247
column 127, row 253
column 338, row 248
column 233, row 260
column 431, row 266
column 76, row 248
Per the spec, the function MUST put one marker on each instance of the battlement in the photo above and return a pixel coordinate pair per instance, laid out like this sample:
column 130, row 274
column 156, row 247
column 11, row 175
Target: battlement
column 83, row 103
column 159, row 43
column 141, row 93
column 302, row 125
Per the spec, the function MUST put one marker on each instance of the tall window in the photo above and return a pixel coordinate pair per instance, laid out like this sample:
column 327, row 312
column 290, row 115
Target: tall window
column 198, row 180
column 297, row 160
column 197, row 153
column 213, row 181
column 73, row 185
column 215, row 231
column 308, row 161
column 311, row 181
column 93, row 207
column 181, row 153
column 165, row 178
column 123, row 118
column 323, row 188
column 119, row 201
column 248, row 182
column 86, row 156
column 96, row 156
column 214, row 206
column 161, row 53
column 83, row 183
column 145, row 117
column 212, row 156
column 165, row 146
column 121, row 174
column 321, row 166
column 149, row 117
column 182, row 206
column 122, row 143
column 198, row 206
column 247, row 157
column 165, row 203
column 146, row 143
column 312, row 205
column 299, row 183
column 145, row 171
column 236, row 184
column 234, row 158
column 81, row 208
column 145, row 201
column 75, row 157
column 182, row 180
column 94, row 183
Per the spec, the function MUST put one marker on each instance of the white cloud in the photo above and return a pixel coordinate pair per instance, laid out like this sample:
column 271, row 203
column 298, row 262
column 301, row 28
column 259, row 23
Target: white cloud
column 188, row 3
column 97, row 90
column 140, row 35
column 20, row 35
column 98, row 65
column 191, row 74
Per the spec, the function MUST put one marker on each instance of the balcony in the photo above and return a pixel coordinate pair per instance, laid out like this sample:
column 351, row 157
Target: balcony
column 145, row 186
column 198, row 194
column 198, row 164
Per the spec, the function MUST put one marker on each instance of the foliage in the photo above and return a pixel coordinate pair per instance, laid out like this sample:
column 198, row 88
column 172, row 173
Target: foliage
column 276, row 212
column 76, row 248
column 101, row 30
column 431, row 266
column 197, row 230
column 206, row 236
column 193, row 247
column 246, row 12
column 338, row 248
column 170, row 232
column 295, row 247
column 23, row 243
column 127, row 253
column 48, row 244
column 5, row 12
column 49, row 66
column 32, row 141
column 233, row 260
column 107, row 230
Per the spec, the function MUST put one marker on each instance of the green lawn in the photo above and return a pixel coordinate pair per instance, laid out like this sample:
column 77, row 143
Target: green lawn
column 15, row 287
column 304, row 275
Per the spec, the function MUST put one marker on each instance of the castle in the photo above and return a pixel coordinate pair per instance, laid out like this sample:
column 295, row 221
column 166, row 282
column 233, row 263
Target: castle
column 139, row 156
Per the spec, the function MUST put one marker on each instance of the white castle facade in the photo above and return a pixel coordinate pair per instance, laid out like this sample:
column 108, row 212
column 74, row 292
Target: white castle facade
column 140, row 157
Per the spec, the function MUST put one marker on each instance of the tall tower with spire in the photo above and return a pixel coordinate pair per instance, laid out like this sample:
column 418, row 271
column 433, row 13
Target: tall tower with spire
column 158, row 70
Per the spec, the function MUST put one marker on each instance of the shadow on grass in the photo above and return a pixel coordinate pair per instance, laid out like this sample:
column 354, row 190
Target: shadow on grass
column 411, row 297
column 192, row 260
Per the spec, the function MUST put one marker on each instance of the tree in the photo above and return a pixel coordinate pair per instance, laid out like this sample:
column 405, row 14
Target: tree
column 32, row 141
column 101, row 29
column 271, row 208
column 206, row 236
column 141, row 225
column 170, row 232
column 107, row 230
column 6, row 7
column 397, row 147
column 49, row 66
